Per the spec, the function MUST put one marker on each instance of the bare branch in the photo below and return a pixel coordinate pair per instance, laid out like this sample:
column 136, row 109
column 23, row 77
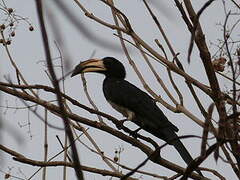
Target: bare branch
column 77, row 167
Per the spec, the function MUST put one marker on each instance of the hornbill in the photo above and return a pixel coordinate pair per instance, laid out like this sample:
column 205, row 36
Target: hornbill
column 132, row 102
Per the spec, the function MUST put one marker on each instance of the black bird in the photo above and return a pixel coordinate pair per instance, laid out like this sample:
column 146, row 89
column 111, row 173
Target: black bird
column 132, row 102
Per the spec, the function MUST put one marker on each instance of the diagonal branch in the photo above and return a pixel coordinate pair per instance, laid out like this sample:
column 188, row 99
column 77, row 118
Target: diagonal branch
column 136, row 143
column 77, row 167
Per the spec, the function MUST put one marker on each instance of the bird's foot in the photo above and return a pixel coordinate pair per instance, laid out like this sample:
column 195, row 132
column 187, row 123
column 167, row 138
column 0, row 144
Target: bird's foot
column 120, row 123
column 135, row 133
column 157, row 154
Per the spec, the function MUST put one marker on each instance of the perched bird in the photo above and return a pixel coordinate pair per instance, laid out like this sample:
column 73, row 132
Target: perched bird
column 132, row 102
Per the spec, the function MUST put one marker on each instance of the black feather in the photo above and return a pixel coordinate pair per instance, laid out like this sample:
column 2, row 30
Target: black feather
column 123, row 95
column 147, row 114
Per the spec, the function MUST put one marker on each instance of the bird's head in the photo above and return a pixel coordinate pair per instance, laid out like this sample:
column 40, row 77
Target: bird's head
column 108, row 66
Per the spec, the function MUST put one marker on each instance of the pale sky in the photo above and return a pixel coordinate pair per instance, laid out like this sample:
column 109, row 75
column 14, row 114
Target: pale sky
column 27, row 51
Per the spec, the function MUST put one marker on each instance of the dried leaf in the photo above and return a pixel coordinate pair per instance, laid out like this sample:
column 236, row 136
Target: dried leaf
column 7, row 176
column 219, row 64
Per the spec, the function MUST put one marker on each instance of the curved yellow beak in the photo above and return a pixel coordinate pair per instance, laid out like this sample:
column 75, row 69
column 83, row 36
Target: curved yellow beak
column 91, row 65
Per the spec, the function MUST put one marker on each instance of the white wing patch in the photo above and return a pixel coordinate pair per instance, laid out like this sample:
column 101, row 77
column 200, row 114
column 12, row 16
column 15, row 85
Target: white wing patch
column 124, row 111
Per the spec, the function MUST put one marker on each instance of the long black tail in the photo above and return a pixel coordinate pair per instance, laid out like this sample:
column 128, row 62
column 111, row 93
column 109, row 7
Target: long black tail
column 172, row 138
column 182, row 151
column 168, row 135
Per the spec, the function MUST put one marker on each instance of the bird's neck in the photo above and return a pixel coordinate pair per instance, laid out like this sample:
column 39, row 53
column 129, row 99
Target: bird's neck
column 111, row 81
column 112, row 78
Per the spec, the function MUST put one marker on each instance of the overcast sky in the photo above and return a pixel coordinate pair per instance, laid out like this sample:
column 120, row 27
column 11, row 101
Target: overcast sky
column 27, row 51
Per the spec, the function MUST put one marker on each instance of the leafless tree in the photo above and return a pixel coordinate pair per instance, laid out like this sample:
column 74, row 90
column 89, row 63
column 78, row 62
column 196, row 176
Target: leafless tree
column 218, row 120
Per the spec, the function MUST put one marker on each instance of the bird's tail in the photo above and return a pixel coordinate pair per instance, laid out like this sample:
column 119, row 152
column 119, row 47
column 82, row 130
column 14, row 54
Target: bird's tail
column 175, row 141
column 183, row 152
column 171, row 138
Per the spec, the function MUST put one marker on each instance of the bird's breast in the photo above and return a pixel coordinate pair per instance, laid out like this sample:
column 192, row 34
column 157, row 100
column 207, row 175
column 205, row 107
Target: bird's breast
column 124, row 111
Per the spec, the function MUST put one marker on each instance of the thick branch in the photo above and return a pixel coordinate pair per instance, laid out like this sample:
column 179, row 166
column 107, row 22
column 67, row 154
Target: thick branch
column 56, row 110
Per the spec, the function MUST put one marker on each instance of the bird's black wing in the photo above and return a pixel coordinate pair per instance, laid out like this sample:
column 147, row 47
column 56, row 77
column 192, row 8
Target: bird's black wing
column 125, row 94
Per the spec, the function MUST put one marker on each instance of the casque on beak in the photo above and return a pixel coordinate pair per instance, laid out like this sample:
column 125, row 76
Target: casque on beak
column 91, row 65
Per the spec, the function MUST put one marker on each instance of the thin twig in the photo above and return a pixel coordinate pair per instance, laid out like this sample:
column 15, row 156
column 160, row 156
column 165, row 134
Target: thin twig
column 195, row 25
column 95, row 145
column 18, row 72
column 156, row 75
column 53, row 108
column 89, row 97
column 68, row 130
column 44, row 175
column 234, row 144
column 192, row 166
column 236, row 4
column 53, row 157
column 155, row 155
column 64, row 147
column 206, row 130
column 180, row 96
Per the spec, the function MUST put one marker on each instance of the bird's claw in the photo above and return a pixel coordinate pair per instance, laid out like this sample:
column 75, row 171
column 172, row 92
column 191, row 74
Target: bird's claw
column 134, row 133
column 157, row 154
column 120, row 123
